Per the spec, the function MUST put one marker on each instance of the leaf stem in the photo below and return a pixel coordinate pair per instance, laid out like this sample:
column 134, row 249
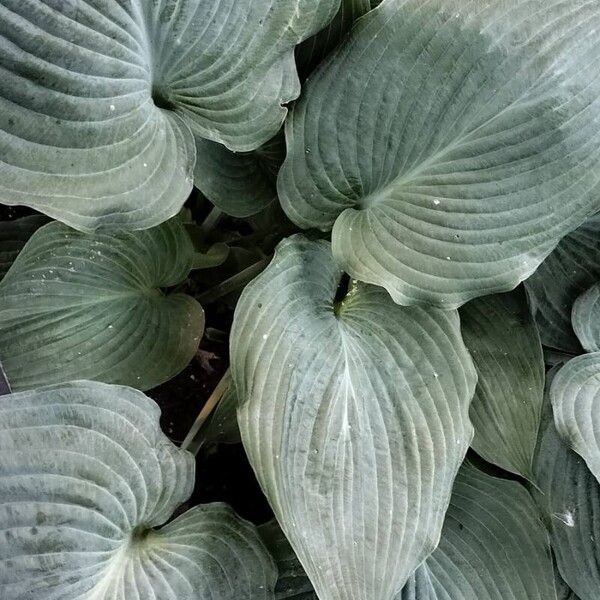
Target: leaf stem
column 193, row 440
column 239, row 280
column 211, row 221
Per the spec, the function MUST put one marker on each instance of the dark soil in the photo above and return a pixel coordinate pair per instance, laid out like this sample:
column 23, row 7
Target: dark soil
column 223, row 473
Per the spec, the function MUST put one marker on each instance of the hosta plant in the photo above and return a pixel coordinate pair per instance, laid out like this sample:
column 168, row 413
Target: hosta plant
column 299, row 299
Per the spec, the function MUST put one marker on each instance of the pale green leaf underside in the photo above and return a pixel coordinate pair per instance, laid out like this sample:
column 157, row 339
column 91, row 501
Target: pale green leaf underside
column 99, row 98
column 85, row 473
column 493, row 546
column 570, row 500
column 450, row 144
column 355, row 419
column 505, row 345
column 586, row 317
column 89, row 306
column 575, row 397
column 239, row 183
column 14, row 235
column 568, row 271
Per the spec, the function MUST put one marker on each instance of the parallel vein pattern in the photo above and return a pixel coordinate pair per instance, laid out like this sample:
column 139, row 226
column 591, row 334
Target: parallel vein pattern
column 85, row 475
column 313, row 51
column 493, row 546
column 575, row 396
column 450, row 144
column 89, row 306
column 570, row 500
column 354, row 416
column 572, row 268
column 503, row 340
column 586, row 317
column 99, row 98
column 239, row 183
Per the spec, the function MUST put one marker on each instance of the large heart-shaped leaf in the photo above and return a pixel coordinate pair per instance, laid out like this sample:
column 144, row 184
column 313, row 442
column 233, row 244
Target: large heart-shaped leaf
column 570, row 500
column 85, row 477
column 586, row 317
column 493, row 546
column 575, row 397
column 503, row 340
column 354, row 415
column 239, row 183
column 570, row 269
column 99, row 98
column 89, row 306
column 450, row 144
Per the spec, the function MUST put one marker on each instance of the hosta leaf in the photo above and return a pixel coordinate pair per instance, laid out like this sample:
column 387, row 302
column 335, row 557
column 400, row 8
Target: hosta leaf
column 504, row 343
column 575, row 397
column 89, row 306
column 239, row 183
column 570, row 499
column 311, row 52
column 586, row 318
column 99, row 98
column 568, row 271
column 450, row 144
column 493, row 546
column 292, row 583
column 85, row 477
column 354, row 415
column 14, row 235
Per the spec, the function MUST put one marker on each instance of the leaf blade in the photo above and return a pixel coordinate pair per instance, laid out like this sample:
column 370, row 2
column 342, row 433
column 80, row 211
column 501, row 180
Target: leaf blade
column 88, row 473
column 78, row 306
column 96, row 125
column 435, row 187
column 337, row 408
column 503, row 340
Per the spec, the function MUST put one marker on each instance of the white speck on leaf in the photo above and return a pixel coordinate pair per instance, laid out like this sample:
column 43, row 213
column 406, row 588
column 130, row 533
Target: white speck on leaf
column 567, row 518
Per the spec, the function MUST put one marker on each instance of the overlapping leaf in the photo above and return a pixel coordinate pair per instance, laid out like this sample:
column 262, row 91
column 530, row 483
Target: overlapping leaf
column 239, row 183
column 586, row 317
column 493, row 546
column 292, row 582
column 85, row 477
column 354, row 415
column 243, row 183
column 90, row 306
column 311, row 52
column 14, row 235
column 572, row 268
column 503, row 340
column 575, row 396
column 570, row 499
column 450, row 144
column 99, row 98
